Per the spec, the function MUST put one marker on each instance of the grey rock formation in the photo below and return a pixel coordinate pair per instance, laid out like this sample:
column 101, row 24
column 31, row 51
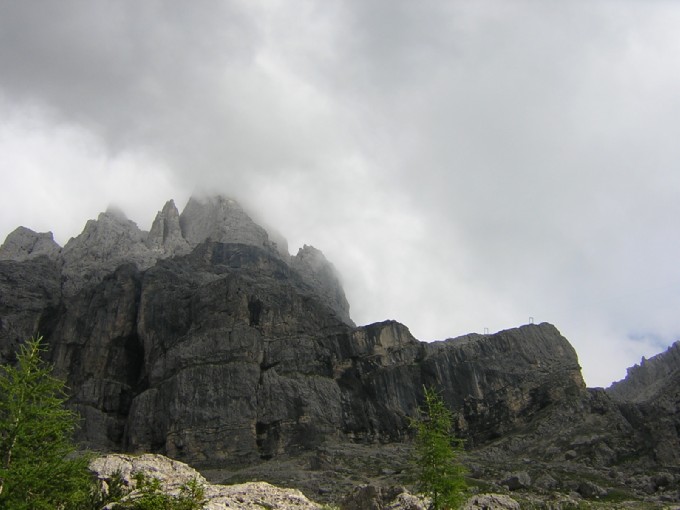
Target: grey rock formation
column 24, row 244
column 318, row 272
column 112, row 240
column 227, row 355
column 165, row 237
column 222, row 220
column 649, row 397
column 172, row 475
column 30, row 297
column 644, row 382
column 515, row 481
column 372, row 497
column 104, row 244
column 491, row 502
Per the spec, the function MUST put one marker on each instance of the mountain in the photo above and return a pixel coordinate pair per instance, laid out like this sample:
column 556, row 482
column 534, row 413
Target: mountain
column 204, row 340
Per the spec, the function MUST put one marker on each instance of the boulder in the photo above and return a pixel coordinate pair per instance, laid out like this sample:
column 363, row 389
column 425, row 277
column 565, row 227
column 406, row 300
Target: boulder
column 515, row 481
column 491, row 502
column 172, row 475
column 374, row 497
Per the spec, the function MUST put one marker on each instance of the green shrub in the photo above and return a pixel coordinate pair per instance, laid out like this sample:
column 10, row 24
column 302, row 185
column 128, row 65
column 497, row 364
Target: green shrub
column 440, row 475
column 149, row 496
column 38, row 465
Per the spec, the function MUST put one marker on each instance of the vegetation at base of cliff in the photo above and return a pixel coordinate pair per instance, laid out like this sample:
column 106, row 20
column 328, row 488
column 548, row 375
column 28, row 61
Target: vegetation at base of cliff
column 148, row 495
column 38, row 465
column 441, row 476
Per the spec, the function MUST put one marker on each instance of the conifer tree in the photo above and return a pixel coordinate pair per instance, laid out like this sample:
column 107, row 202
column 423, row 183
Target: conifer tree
column 440, row 475
column 38, row 466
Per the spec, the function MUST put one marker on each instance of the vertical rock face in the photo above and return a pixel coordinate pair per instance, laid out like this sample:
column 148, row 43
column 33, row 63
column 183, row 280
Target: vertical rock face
column 503, row 380
column 225, row 356
column 30, row 296
column 649, row 397
column 99, row 355
column 651, row 377
column 112, row 240
column 322, row 276
column 24, row 244
column 201, row 341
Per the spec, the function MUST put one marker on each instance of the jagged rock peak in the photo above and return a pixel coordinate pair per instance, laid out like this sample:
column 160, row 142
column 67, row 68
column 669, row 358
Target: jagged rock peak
column 165, row 235
column 104, row 244
column 645, row 380
column 25, row 244
column 221, row 220
column 318, row 272
column 112, row 240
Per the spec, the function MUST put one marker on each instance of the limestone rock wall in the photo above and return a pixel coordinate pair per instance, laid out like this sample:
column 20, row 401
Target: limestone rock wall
column 649, row 397
column 226, row 356
column 226, row 353
column 318, row 272
column 112, row 240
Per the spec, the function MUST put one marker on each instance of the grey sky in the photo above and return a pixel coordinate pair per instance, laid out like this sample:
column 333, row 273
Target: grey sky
column 466, row 165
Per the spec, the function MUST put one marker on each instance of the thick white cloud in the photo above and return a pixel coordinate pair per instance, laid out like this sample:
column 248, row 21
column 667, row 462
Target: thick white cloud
column 466, row 165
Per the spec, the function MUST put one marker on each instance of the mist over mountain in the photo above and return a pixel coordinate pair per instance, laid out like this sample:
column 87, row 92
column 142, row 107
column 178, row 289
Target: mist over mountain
column 203, row 339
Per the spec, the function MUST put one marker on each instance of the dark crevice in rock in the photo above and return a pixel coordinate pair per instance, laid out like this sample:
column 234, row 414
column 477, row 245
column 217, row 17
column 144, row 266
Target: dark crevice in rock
column 255, row 307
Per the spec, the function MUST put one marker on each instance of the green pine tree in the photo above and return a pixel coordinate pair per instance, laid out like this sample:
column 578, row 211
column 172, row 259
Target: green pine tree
column 38, row 465
column 440, row 475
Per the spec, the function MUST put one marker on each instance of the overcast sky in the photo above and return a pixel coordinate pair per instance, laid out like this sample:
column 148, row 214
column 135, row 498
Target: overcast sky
column 464, row 164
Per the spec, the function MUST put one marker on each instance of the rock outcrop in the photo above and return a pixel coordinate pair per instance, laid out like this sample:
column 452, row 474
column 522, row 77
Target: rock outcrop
column 225, row 356
column 649, row 397
column 30, row 295
column 230, row 354
column 112, row 240
column 24, row 244
column 491, row 502
column 106, row 243
column 165, row 237
column 650, row 379
column 322, row 276
column 172, row 475
column 221, row 220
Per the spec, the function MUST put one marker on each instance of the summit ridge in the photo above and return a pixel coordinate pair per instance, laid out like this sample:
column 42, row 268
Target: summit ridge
column 112, row 240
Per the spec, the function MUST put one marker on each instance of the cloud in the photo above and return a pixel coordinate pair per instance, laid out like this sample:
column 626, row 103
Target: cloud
column 466, row 165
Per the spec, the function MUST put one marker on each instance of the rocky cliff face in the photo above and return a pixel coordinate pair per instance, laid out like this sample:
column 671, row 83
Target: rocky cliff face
column 112, row 240
column 650, row 399
column 315, row 269
column 24, row 244
column 225, row 355
column 201, row 341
